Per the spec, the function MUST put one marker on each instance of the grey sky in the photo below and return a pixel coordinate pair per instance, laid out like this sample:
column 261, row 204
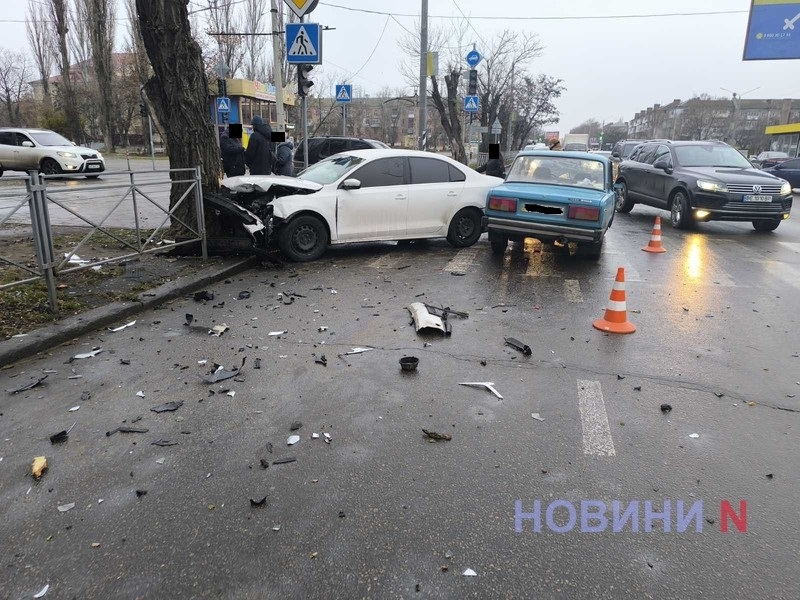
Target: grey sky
column 611, row 67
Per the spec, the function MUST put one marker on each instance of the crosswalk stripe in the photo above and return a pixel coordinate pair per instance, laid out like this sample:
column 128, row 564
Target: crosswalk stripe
column 463, row 260
column 387, row 261
column 594, row 420
column 572, row 291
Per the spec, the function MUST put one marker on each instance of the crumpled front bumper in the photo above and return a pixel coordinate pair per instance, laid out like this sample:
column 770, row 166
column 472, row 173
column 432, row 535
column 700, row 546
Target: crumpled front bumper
column 258, row 231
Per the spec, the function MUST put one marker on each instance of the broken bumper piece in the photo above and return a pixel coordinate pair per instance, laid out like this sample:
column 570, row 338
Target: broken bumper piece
column 424, row 320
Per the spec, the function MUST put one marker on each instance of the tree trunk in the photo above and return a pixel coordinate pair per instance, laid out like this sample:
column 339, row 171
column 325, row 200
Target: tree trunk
column 68, row 97
column 101, row 34
column 450, row 115
column 178, row 92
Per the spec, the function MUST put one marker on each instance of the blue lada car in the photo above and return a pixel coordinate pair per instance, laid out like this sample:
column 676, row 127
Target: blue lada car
column 567, row 198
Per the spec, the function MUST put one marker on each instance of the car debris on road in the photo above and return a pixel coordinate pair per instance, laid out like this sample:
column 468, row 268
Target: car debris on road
column 489, row 385
column 516, row 344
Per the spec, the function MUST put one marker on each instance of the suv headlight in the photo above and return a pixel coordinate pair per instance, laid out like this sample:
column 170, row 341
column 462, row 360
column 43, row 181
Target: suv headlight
column 67, row 154
column 786, row 188
column 711, row 186
column 100, row 156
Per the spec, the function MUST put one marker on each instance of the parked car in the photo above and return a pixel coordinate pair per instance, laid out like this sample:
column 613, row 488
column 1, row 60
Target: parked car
column 323, row 147
column 788, row 170
column 364, row 196
column 623, row 148
column 702, row 181
column 560, row 197
column 765, row 160
column 45, row 150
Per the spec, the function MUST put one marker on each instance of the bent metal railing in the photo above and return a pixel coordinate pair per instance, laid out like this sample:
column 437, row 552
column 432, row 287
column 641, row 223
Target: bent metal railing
column 42, row 201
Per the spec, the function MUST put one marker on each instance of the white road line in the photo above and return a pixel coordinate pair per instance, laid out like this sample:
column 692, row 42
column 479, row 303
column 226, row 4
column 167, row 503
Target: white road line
column 596, row 432
column 463, row 260
column 572, row 291
column 386, row 261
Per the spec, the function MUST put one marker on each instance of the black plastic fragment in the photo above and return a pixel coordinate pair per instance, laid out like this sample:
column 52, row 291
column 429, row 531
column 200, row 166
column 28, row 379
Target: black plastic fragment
column 322, row 361
column 140, row 493
column 257, row 503
column 28, row 386
column 515, row 343
column 295, row 426
column 244, row 295
column 283, row 461
column 264, row 463
column 167, row 407
column 257, row 363
column 220, row 374
column 59, row 438
column 204, row 295
column 665, row 408
column 124, row 361
column 127, row 430
column 163, row 443
column 269, row 447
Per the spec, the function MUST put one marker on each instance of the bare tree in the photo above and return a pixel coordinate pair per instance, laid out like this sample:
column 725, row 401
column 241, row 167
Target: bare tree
column 704, row 117
column 14, row 71
column 223, row 18
column 101, row 28
column 59, row 14
column 178, row 91
column 535, row 105
column 256, row 20
column 38, row 31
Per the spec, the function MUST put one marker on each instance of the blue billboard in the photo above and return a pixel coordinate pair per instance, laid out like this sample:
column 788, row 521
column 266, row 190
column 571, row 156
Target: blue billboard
column 773, row 30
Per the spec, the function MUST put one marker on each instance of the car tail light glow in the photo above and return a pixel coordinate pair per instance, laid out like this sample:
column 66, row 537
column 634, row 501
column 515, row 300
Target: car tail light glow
column 503, row 204
column 584, row 213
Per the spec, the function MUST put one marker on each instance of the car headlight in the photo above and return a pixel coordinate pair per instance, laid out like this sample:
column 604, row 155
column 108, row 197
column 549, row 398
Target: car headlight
column 67, row 154
column 100, row 156
column 786, row 188
column 711, row 186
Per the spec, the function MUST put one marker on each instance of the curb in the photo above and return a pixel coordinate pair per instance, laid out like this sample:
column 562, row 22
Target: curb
column 44, row 338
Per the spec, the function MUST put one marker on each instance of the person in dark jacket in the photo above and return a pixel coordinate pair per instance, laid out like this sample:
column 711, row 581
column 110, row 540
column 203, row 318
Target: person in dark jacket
column 232, row 153
column 284, row 158
column 494, row 167
column 260, row 153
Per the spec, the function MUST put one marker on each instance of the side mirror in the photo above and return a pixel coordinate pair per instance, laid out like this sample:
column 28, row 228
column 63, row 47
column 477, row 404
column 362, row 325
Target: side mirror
column 615, row 155
column 351, row 184
column 663, row 164
column 27, row 144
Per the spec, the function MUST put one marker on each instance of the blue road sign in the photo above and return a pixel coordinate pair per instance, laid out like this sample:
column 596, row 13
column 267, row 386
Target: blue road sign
column 473, row 58
column 304, row 43
column 470, row 103
column 223, row 105
column 773, row 31
column 344, row 93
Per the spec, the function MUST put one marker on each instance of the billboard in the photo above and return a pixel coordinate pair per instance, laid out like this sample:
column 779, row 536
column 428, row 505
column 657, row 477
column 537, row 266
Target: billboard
column 551, row 135
column 773, row 30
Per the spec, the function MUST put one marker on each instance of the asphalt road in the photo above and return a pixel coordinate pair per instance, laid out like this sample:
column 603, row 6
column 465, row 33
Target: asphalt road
column 380, row 512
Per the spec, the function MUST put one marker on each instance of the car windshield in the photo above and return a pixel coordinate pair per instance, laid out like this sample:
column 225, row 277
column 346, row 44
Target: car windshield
column 558, row 170
column 711, row 156
column 331, row 169
column 774, row 155
column 50, row 138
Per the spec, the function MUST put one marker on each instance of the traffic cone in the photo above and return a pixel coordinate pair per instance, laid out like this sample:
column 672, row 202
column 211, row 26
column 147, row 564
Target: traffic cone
column 654, row 245
column 616, row 317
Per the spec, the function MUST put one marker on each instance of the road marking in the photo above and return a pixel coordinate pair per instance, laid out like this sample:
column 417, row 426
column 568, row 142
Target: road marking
column 594, row 420
column 572, row 291
column 388, row 260
column 463, row 260
column 785, row 272
column 540, row 263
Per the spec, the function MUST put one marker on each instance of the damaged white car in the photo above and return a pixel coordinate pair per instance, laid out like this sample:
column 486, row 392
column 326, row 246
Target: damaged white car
column 361, row 196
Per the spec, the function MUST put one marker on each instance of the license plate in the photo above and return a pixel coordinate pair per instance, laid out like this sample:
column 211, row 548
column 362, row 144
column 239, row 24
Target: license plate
column 758, row 198
column 95, row 167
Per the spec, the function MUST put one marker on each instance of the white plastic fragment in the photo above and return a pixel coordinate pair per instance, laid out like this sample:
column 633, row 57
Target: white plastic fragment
column 66, row 507
column 293, row 439
column 100, row 500
column 423, row 319
column 231, row 393
column 274, row 333
column 276, row 528
column 91, row 354
column 140, row 393
column 314, row 436
column 470, row 573
column 334, row 292
column 75, row 259
column 694, row 435
column 537, row 417
column 74, row 408
column 20, row 335
column 121, row 327
column 489, row 385
column 358, row 350
column 321, row 329
column 159, row 461
column 202, row 362
column 218, row 330
column 327, row 438
column 42, row 591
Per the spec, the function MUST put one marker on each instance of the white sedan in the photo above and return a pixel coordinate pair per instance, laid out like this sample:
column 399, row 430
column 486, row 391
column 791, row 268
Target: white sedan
column 372, row 195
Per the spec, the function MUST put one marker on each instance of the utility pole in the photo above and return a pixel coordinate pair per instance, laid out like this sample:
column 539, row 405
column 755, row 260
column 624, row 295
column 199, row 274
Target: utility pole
column 277, row 68
column 423, row 74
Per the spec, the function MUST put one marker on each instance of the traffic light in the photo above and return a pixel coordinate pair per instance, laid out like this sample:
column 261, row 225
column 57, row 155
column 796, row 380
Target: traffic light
column 222, row 88
column 143, row 109
column 472, row 89
column 304, row 84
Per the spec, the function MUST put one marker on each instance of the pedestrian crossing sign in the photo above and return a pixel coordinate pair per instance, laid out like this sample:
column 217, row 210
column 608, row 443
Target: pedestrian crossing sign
column 344, row 93
column 470, row 103
column 223, row 105
column 304, row 43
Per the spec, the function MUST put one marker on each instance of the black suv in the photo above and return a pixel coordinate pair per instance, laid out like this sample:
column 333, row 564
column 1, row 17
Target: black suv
column 623, row 148
column 702, row 181
column 323, row 147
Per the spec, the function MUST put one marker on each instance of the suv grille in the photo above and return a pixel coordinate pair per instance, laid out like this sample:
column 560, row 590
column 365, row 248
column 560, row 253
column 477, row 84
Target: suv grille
column 85, row 156
column 766, row 189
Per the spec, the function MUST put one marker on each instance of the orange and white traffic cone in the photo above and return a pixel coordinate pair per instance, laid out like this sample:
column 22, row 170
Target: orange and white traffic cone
column 616, row 317
column 654, row 245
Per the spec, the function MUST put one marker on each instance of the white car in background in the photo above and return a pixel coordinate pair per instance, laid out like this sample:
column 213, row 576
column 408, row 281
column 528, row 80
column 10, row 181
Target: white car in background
column 46, row 151
column 371, row 195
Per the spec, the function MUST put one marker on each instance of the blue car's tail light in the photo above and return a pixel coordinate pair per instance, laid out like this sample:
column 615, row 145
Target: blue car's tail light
column 503, row 204
column 584, row 213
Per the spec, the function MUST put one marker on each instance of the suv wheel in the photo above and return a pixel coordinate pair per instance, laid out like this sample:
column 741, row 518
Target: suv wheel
column 50, row 167
column 766, row 224
column 624, row 203
column 680, row 214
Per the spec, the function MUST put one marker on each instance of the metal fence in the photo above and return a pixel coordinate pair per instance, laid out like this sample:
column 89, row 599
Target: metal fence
column 42, row 199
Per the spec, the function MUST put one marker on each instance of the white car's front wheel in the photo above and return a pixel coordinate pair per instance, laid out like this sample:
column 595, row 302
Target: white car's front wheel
column 303, row 239
column 465, row 228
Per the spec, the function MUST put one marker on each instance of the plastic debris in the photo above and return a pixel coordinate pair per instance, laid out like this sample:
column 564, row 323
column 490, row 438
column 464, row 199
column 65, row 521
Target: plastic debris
column 433, row 435
column 42, row 591
column 321, row 329
column 167, row 407
column 160, row 461
column 694, row 435
column 274, row 333
column 665, row 408
column 28, row 386
column 74, row 408
column 638, row 388
column 218, row 330
column 515, row 343
column 327, row 437
column 121, row 327
column 95, row 544
column 537, row 417
column 276, row 528
column 60, row 437
column 257, row 363
column 469, row 573
column 140, row 493
column 334, row 292
column 424, row 320
column 268, row 446
column 322, row 360
column 719, row 394
column 39, row 466
column 769, row 476
column 314, row 436
column 164, row 443
column 140, row 393
column 293, row 439
column 126, row 430
column 295, row 426
column 283, row 461
column 257, row 503
column 66, row 507
column 357, row 350
column 124, row 361
column 489, row 385
column 204, row 295
column 92, row 354
column 220, row 374
column 244, row 295
column 231, row 393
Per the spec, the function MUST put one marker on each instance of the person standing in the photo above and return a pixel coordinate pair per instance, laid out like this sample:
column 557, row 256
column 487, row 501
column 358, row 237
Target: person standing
column 555, row 144
column 259, row 155
column 284, row 158
column 232, row 153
